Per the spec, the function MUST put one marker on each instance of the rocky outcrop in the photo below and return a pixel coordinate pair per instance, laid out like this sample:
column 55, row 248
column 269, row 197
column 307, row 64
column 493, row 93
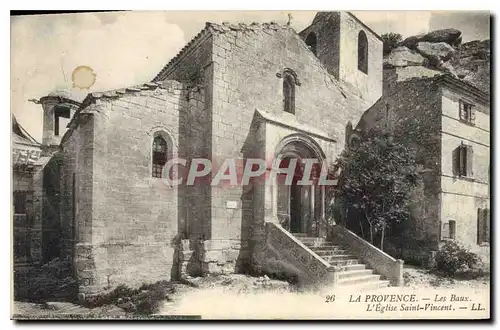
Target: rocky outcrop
column 442, row 52
column 449, row 36
column 403, row 56
column 435, row 52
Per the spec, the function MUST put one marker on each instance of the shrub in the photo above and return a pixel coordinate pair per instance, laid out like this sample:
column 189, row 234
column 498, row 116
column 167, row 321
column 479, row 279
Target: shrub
column 145, row 300
column 391, row 41
column 453, row 258
column 52, row 281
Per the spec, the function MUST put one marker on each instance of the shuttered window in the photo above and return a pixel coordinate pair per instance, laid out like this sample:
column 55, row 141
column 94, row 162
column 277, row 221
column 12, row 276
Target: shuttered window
column 483, row 226
column 463, row 160
column 467, row 112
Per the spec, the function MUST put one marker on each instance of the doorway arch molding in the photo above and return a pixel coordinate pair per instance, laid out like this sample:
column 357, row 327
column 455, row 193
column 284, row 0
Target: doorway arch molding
column 298, row 146
column 293, row 145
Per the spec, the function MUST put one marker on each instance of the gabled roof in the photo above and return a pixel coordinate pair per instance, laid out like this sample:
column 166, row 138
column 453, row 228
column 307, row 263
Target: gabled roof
column 21, row 136
column 25, row 149
column 214, row 28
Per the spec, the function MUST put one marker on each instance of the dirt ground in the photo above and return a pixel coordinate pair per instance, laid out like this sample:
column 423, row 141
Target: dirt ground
column 244, row 297
column 212, row 300
column 417, row 278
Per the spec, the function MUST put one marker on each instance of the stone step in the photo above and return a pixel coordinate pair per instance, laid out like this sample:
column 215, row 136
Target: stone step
column 312, row 243
column 354, row 273
column 348, row 268
column 334, row 258
column 344, row 262
column 359, row 279
column 311, row 239
column 325, row 243
column 329, row 249
column 325, row 254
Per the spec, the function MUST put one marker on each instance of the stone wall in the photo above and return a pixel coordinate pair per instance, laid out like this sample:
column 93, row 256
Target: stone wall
column 135, row 216
column 368, row 85
column 76, row 199
column 129, row 227
column 193, row 66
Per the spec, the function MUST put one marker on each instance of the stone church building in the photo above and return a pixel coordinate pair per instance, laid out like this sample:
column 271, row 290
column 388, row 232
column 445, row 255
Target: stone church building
column 233, row 92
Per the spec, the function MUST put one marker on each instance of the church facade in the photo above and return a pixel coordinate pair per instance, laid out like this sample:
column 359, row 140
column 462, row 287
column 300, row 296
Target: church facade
column 233, row 92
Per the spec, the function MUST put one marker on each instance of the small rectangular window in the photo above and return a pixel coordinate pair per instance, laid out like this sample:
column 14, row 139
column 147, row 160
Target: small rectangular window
column 463, row 155
column 483, row 226
column 448, row 230
column 467, row 112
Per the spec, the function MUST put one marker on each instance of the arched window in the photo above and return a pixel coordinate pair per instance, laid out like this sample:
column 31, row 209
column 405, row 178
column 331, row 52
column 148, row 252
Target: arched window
column 159, row 156
column 289, row 93
column 312, row 42
column 362, row 52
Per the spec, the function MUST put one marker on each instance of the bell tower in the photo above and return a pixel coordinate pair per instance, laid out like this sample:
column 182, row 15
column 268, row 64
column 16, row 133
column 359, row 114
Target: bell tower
column 350, row 51
column 58, row 109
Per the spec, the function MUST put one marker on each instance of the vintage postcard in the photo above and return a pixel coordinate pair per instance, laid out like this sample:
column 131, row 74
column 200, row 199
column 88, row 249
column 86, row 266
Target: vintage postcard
column 251, row 165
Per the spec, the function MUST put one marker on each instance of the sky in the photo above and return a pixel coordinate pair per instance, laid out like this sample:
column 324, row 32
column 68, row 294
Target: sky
column 128, row 48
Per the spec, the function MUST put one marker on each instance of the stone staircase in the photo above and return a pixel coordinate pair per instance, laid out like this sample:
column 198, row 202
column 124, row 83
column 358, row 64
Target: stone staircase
column 354, row 273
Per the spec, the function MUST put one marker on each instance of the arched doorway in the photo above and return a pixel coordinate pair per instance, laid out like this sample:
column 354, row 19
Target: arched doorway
column 300, row 201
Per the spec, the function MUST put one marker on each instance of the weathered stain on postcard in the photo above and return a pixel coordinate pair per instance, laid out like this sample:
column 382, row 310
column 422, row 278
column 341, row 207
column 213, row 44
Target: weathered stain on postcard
column 283, row 165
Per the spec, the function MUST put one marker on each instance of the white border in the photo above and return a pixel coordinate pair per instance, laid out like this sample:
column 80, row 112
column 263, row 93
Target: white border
column 191, row 5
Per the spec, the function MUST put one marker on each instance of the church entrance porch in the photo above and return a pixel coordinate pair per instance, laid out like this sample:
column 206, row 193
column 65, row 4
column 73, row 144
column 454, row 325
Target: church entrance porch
column 300, row 200
column 299, row 205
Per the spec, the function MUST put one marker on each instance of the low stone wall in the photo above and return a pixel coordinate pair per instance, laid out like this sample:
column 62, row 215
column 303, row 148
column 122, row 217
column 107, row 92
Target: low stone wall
column 381, row 262
column 285, row 253
column 211, row 257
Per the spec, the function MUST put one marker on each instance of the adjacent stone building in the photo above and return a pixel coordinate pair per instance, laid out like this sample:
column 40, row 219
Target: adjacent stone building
column 447, row 122
column 25, row 166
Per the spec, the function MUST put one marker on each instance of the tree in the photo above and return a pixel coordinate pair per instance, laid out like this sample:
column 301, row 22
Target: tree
column 391, row 41
column 376, row 182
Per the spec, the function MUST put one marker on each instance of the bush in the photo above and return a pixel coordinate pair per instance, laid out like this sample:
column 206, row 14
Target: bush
column 453, row 258
column 145, row 300
column 52, row 281
column 391, row 41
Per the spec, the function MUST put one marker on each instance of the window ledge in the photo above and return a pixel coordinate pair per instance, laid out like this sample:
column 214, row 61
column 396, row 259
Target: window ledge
column 484, row 245
column 467, row 122
column 465, row 178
